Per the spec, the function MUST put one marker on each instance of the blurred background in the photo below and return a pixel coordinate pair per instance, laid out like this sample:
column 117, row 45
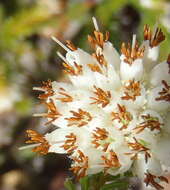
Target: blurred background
column 28, row 57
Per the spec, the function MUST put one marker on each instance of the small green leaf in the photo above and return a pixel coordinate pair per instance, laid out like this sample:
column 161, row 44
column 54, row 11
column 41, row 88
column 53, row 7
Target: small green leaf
column 69, row 185
column 84, row 183
column 117, row 184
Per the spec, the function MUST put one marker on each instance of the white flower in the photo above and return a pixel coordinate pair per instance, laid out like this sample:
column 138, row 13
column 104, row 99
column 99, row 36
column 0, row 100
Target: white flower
column 112, row 115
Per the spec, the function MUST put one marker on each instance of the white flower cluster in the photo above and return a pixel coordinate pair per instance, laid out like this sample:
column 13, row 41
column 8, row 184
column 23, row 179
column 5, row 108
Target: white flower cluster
column 114, row 115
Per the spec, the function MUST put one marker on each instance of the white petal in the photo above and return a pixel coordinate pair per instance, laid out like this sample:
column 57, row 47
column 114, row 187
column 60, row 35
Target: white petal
column 153, row 166
column 80, row 57
column 167, row 123
column 139, row 102
column 154, row 104
column 133, row 71
column 160, row 72
column 111, row 55
column 150, row 57
column 162, row 150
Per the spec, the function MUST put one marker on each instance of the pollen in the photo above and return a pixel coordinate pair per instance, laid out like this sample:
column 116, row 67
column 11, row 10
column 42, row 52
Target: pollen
column 95, row 68
column 132, row 53
column 154, row 39
column 165, row 93
column 123, row 116
column 66, row 97
column 80, row 165
column 149, row 122
column 100, row 136
column 76, row 70
column 79, row 119
column 70, row 143
column 111, row 161
column 102, row 97
column 132, row 90
column 43, row 146
column 138, row 148
column 70, row 45
column 53, row 113
column 46, row 88
column 98, row 39
column 100, row 59
column 152, row 180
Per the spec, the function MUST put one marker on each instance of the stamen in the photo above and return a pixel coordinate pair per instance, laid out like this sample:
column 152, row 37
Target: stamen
column 102, row 98
column 71, row 45
column 80, row 118
column 156, row 39
column 52, row 114
column 150, row 122
column 80, row 165
column 132, row 54
column 76, row 70
column 111, row 161
column 137, row 148
column 61, row 44
column 152, row 180
column 165, row 93
column 95, row 24
column 123, row 116
column 47, row 89
column 100, row 135
column 66, row 97
column 98, row 39
column 43, row 145
column 100, row 58
column 132, row 90
column 95, row 68
column 69, row 144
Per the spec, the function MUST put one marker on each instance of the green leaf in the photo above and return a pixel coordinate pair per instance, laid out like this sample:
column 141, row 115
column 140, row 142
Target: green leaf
column 117, row 184
column 84, row 183
column 69, row 185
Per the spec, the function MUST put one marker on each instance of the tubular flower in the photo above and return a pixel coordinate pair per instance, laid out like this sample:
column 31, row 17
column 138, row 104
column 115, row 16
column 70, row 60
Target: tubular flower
column 113, row 115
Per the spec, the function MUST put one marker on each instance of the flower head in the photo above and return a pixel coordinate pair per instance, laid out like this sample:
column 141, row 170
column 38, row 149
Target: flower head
column 111, row 116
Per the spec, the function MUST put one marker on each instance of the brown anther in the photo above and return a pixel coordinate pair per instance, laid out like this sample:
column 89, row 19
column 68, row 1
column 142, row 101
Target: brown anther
column 98, row 39
column 70, row 143
column 99, row 135
column 75, row 71
column 95, row 68
column 48, row 91
column 53, row 113
column 168, row 62
column 80, row 165
column 80, row 118
column 132, row 90
column 154, row 39
column 66, row 97
column 112, row 161
column 165, row 93
column 35, row 137
column 123, row 116
column 70, row 45
column 103, row 97
column 149, row 122
column 131, row 54
column 137, row 148
column 100, row 59
column 152, row 180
